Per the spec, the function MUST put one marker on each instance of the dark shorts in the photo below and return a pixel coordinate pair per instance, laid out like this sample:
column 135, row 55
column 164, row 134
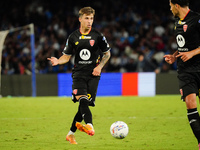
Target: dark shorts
column 189, row 83
column 86, row 85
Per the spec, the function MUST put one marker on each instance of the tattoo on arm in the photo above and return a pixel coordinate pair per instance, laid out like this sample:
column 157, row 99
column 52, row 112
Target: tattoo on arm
column 105, row 58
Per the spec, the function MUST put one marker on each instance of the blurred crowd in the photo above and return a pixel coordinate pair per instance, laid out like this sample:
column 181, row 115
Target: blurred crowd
column 139, row 33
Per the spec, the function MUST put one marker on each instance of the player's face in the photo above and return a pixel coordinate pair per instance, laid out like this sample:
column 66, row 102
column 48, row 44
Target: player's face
column 86, row 21
column 173, row 9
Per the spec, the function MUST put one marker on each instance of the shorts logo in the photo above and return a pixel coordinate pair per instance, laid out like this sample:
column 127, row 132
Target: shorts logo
column 181, row 91
column 75, row 91
column 185, row 27
column 89, row 96
column 92, row 42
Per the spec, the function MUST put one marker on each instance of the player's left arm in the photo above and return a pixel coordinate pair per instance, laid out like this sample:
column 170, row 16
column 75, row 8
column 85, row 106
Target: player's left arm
column 185, row 56
column 105, row 58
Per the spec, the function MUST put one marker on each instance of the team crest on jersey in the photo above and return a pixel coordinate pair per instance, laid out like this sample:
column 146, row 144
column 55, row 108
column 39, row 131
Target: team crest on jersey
column 185, row 27
column 181, row 91
column 92, row 42
column 75, row 91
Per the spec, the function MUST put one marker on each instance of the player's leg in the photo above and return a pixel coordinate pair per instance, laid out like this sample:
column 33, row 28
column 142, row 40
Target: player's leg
column 77, row 83
column 189, row 90
column 193, row 115
column 70, row 136
column 92, row 84
column 86, row 115
column 80, row 92
column 84, row 108
column 78, row 118
column 92, row 89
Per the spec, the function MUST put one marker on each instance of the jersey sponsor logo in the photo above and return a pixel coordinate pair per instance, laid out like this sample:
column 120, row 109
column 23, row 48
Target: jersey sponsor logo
column 183, row 49
column 92, row 42
column 85, row 54
column 85, row 62
column 185, row 27
column 180, row 40
column 84, row 37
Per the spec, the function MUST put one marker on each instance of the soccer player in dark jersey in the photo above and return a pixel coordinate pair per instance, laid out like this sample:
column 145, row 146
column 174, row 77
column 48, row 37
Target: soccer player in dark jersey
column 91, row 52
column 187, row 30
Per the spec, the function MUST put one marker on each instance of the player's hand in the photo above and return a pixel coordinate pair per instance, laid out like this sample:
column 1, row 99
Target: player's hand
column 185, row 56
column 170, row 59
column 53, row 60
column 96, row 71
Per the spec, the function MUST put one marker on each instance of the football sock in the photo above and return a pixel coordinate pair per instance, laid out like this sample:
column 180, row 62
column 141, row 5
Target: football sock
column 77, row 118
column 90, row 125
column 70, row 133
column 194, row 120
column 85, row 111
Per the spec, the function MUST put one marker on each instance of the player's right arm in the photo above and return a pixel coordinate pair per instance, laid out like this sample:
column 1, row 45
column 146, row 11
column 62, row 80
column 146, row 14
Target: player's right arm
column 67, row 52
column 170, row 59
column 62, row 60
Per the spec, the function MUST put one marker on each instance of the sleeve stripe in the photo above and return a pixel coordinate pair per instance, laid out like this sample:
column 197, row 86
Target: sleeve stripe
column 107, row 50
column 66, row 54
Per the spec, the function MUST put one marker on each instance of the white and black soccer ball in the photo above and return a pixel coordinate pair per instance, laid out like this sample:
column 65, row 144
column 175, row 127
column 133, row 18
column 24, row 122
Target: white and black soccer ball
column 119, row 129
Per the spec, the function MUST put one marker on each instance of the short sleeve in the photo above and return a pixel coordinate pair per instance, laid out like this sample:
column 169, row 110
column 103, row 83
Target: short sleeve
column 68, row 50
column 198, row 24
column 103, row 44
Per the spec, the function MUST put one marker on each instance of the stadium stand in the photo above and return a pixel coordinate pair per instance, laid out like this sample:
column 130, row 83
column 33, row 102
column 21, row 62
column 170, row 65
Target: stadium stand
column 139, row 32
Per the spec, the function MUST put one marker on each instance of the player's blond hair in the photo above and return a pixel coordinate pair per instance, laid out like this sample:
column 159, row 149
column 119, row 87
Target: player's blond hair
column 86, row 10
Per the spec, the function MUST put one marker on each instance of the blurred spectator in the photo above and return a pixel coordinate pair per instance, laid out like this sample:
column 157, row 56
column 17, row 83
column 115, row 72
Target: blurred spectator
column 139, row 33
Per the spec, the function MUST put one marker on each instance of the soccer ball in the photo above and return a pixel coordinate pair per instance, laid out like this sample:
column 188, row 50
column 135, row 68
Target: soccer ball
column 119, row 129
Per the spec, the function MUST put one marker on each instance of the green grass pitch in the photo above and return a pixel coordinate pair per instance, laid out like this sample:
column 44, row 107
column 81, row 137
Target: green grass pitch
column 41, row 123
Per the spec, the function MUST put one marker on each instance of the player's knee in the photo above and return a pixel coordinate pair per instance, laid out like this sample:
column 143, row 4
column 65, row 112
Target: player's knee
column 83, row 101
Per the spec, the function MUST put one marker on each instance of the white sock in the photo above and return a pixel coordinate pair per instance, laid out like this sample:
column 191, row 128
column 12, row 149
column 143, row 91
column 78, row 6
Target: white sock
column 90, row 125
column 70, row 133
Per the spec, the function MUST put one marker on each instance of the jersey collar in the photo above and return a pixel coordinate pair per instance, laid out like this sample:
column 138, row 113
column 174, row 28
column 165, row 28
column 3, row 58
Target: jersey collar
column 84, row 33
column 185, row 15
